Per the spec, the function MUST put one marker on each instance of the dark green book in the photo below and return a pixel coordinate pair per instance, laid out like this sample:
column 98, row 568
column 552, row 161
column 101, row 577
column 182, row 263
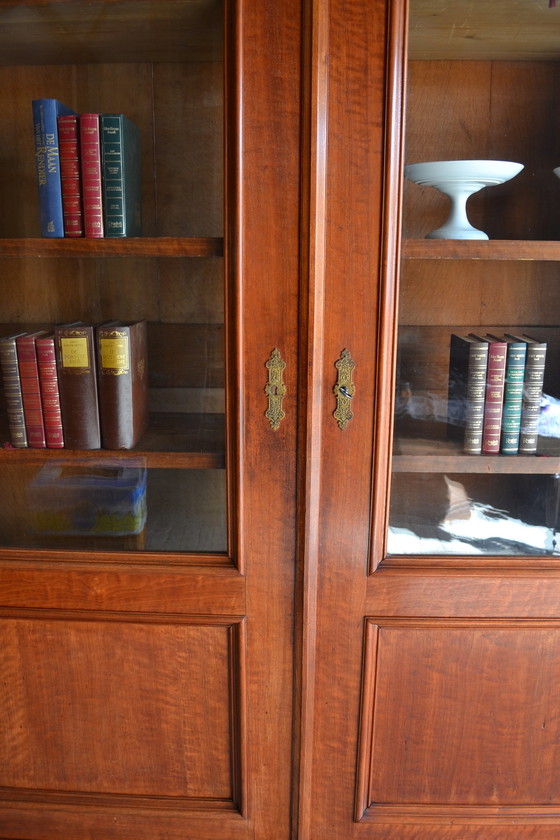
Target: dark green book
column 513, row 396
column 121, row 170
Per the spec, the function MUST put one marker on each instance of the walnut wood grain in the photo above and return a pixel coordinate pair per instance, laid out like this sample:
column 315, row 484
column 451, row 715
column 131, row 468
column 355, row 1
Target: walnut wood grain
column 435, row 456
column 210, row 732
column 365, row 692
column 164, row 246
column 456, row 249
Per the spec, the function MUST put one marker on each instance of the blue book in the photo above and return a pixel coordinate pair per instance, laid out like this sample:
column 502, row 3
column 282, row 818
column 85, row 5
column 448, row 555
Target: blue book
column 47, row 160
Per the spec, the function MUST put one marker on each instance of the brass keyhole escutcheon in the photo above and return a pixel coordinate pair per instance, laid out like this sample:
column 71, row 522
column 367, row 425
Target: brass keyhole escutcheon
column 344, row 389
column 275, row 389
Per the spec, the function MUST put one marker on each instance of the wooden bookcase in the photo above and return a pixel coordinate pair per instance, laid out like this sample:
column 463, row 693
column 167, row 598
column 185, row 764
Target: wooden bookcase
column 261, row 665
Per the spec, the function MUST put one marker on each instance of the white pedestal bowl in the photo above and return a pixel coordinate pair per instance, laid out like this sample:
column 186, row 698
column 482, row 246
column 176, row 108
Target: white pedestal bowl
column 458, row 180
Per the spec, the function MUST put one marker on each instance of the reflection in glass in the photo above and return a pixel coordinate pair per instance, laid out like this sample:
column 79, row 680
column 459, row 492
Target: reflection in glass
column 114, row 505
column 474, row 514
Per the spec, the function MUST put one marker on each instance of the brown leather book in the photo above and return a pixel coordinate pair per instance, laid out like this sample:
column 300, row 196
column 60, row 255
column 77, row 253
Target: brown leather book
column 123, row 383
column 77, row 383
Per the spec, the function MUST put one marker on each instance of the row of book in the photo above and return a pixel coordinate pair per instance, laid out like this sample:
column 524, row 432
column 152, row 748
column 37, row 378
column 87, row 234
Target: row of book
column 495, row 392
column 88, row 172
column 77, row 386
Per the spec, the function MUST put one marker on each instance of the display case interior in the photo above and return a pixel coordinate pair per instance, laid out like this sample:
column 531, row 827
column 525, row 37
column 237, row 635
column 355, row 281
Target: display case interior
column 162, row 64
column 481, row 85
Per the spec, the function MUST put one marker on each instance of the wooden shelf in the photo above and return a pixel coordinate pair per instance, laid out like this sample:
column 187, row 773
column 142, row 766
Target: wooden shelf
column 163, row 246
column 473, row 249
column 493, row 32
column 34, row 32
column 417, row 455
column 173, row 441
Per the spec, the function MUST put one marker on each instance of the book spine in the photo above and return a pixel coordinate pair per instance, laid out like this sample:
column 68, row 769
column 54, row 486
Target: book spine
column 122, row 371
column 493, row 405
column 475, row 398
column 532, row 396
column 31, row 391
column 120, row 143
column 75, row 359
column 70, row 176
column 90, row 152
column 50, row 396
column 47, row 163
column 513, row 395
column 12, row 392
column 468, row 364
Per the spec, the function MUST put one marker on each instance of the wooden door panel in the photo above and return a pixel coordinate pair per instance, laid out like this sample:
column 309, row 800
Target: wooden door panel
column 121, row 707
column 460, row 715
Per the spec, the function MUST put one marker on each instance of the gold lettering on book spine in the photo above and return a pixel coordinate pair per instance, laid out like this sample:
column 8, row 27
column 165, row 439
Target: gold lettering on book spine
column 275, row 389
column 115, row 356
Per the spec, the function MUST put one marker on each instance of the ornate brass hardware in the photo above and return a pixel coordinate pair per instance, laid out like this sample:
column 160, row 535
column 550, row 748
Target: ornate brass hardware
column 275, row 388
column 344, row 389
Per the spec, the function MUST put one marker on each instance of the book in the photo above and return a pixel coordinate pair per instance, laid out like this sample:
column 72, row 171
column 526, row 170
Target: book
column 30, row 389
column 50, row 396
column 70, row 175
column 47, row 164
column 532, row 393
column 468, row 363
column 494, row 398
column 513, row 395
column 120, row 164
column 77, row 383
column 12, row 390
column 123, row 383
column 90, row 155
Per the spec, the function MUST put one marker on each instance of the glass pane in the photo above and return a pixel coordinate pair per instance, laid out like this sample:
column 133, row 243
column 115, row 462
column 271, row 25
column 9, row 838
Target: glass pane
column 479, row 257
column 106, row 504
column 161, row 64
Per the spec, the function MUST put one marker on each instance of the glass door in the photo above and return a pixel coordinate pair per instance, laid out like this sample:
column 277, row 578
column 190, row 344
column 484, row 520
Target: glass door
column 476, row 455
column 152, row 478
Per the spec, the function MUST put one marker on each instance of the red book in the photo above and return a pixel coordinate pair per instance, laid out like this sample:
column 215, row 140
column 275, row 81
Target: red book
column 494, row 400
column 30, row 389
column 50, row 396
column 90, row 153
column 70, row 175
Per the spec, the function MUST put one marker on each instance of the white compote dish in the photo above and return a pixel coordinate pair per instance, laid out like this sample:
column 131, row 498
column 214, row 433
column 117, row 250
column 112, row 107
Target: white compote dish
column 459, row 179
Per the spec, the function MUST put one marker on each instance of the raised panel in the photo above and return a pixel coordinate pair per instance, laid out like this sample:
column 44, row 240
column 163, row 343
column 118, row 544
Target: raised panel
column 460, row 718
column 121, row 708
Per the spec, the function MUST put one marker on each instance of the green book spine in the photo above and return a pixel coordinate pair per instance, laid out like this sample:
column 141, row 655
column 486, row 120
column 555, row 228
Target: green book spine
column 532, row 393
column 120, row 144
column 513, row 395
